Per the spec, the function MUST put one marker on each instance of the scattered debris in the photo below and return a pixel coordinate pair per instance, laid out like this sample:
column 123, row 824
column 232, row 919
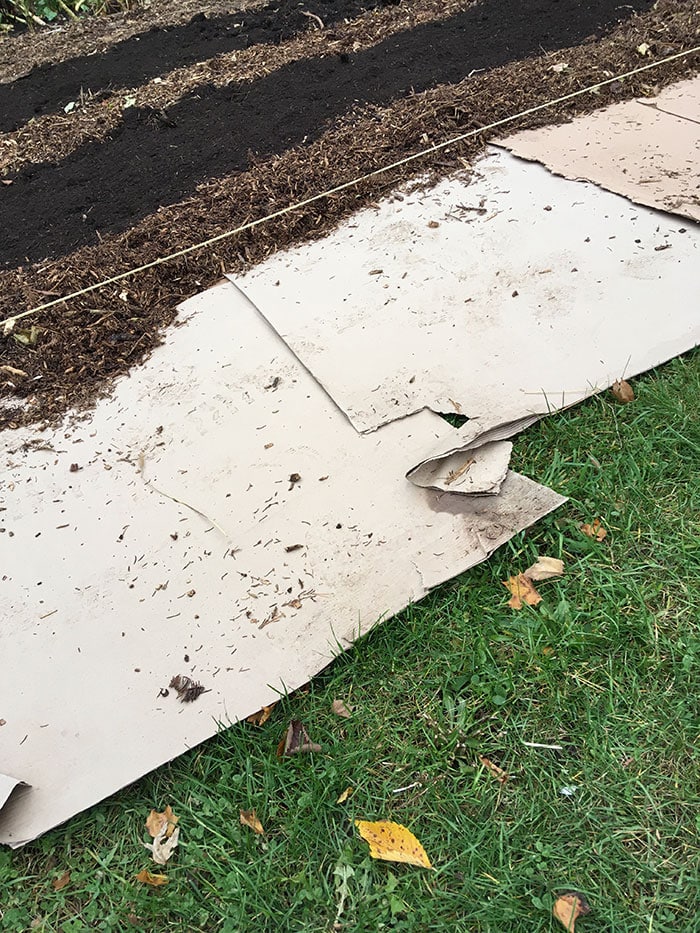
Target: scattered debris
column 522, row 592
column 296, row 741
column 544, row 568
column 559, row 67
column 147, row 877
column 500, row 775
column 455, row 474
column 595, row 530
column 554, row 748
column 249, row 818
column 340, row 709
column 293, row 480
column 644, row 48
column 568, row 790
column 568, row 907
column 187, row 690
column 392, row 842
column 622, row 391
column 13, row 371
column 262, row 715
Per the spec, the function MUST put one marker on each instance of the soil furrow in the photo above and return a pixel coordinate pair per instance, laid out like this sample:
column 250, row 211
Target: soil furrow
column 81, row 346
column 50, row 88
column 154, row 159
column 52, row 137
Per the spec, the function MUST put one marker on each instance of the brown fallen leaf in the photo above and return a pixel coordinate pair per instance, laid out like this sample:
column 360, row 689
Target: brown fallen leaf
column 522, row 592
column 296, row 740
column 59, row 883
column 622, row 391
column 392, row 842
column 500, row 775
column 340, row 709
column 346, row 793
column 568, row 907
column 250, row 818
column 262, row 715
column 595, row 530
column 156, row 821
column 544, row 568
column 147, row 877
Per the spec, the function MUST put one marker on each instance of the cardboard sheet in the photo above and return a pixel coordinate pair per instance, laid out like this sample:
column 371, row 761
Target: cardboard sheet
column 502, row 299
column 219, row 518
column 646, row 149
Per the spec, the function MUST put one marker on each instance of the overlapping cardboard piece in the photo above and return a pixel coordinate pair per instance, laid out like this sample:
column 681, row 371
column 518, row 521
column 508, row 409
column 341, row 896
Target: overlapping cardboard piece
column 219, row 518
column 503, row 299
column 645, row 149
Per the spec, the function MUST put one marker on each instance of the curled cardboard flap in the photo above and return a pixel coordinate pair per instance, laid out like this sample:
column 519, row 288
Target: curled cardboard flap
column 8, row 784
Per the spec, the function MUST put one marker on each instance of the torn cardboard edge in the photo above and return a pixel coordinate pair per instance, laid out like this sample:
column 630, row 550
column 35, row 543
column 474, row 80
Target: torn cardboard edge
column 643, row 149
column 8, row 786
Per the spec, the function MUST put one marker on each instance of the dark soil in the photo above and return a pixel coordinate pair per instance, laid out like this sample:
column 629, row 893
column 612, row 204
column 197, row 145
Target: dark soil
column 139, row 58
column 155, row 158
column 82, row 344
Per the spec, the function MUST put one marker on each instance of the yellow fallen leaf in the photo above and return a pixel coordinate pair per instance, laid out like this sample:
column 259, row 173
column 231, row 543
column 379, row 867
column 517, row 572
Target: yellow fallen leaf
column 393, row 843
column 250, row 818
column 340, row 709
column 595, row 530
column 522, row 591
column 344, row 796
column 262, row 715
column 147, row 877
column 156, row 821
column 544, row 568
column 61, row 882
column 569, row 907
column 622, row 391
column 500, row 775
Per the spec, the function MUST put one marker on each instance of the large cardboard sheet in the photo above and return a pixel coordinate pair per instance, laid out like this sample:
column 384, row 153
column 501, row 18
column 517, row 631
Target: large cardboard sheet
column 219, row 518
column 647, row 149
column 502, row 299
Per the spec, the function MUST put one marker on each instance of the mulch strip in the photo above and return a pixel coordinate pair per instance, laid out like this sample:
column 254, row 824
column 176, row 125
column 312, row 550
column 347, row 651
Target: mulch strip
column 81, row 346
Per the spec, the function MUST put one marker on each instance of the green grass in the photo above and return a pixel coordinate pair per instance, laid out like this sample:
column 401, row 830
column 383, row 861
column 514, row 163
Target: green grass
column 606, row 666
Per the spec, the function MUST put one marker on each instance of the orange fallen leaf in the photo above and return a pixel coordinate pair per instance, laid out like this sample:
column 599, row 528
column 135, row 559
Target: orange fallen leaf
column 393, row 843
column 568, row 907
column 623, row 391
column 262, row 715
column 61, row 882
column 500, row 775
column 595, row 530
column 156, row 821
column 522, row 591
column 250, row 818
column 344, row 796
column 147, row 877
column 340, row 709
column 544, row 568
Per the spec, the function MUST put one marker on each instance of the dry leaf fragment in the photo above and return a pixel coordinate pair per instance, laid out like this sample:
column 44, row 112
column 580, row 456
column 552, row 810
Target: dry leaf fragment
column 622, row 391
column 393, row 843
column 500, row 775
column 12, row 371
column 544, row 568
column 568, row 907
column 340, row 709
column 346, row 793
column 250, row 818
column 156, row 821
column 559, row 67
column 644, row 48
column 522, row 592
column 188, row 690
column 262, row 715
column 61, row 882
column 595, row 530
column 296, row 740
column 163, row 845
column 147, row 877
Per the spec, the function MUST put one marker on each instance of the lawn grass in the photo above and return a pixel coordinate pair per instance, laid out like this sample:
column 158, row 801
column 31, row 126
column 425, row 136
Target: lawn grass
column 606, row 666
